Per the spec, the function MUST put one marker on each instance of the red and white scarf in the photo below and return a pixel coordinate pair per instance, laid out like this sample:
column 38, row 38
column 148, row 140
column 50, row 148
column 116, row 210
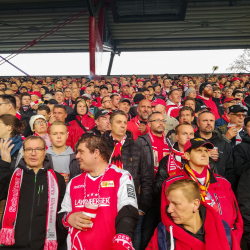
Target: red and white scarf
column 155, row 150
column 7, row 233
column 35, row 102
column 18, row 116
column 238, row 137
column 116, row 157
column 174, row 161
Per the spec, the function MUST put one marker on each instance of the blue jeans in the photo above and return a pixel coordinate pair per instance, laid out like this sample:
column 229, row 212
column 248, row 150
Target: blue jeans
column 137, row 234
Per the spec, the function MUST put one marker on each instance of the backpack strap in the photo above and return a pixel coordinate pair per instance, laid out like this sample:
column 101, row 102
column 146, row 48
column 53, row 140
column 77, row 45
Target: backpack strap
column 82, row 127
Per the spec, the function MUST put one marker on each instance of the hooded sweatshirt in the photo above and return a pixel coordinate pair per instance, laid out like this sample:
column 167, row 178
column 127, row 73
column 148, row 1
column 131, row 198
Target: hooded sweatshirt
column 61, row 161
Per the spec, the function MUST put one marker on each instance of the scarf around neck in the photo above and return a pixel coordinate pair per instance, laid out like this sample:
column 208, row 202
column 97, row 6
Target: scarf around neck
column 116, row 157
column 174, row 161
column 7, row 233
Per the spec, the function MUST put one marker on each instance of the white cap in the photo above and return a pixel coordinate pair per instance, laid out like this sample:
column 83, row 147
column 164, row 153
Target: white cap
column 33, row 119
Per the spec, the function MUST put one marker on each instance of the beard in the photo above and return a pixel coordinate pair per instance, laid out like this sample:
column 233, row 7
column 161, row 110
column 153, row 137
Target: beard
column 208, row 93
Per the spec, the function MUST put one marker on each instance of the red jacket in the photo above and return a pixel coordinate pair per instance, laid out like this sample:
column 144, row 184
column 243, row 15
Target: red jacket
column 222, row 194
column 173, row 109
column 85, row 120
column 210, row 103
column 133, row 127
column 215, row 236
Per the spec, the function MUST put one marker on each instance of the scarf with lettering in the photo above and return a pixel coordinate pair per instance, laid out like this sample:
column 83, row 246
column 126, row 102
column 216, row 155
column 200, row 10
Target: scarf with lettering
column 238, row 137
column 174, row 161
column 7, row 233
column 116, row 157
column 165, row 150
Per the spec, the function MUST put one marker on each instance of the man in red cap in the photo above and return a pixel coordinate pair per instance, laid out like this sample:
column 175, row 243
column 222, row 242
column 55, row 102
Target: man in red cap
column 228, row 102
column 125, row 91
column 35, row 100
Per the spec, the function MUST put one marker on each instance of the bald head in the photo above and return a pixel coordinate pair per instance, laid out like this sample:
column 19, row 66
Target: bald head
column 144, row 109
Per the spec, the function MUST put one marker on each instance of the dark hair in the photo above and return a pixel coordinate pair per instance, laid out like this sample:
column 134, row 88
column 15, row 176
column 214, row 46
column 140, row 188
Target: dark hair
column 188, row 99
column 34, row 137
column 115, row 113
column 185, row 108
column 44, row 107
column 1, row 83
column 10, row 99
column 154, row 113
column 93, row 142
column 217, row 88
column 59, row 106
column 25, row 94
column 11, row 120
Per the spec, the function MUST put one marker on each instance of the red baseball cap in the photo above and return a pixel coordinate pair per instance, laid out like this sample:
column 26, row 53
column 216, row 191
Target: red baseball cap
column 159, row 101
column 235, row 79
column 229, row 99
column 125, row 84
column 140, row 80
column 35, row 93
column 196, row 143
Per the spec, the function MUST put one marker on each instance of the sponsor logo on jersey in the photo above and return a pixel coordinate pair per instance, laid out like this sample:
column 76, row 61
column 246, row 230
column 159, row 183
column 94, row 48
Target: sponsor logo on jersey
column 107, row 184
column 102, row 202
column 79, row 186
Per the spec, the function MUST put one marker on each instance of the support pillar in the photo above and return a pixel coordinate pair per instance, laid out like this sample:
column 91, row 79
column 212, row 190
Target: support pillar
column 112, row 55
column 92, row 45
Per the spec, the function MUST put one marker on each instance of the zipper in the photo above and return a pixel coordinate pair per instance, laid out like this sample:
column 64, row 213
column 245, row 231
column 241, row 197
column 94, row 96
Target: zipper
column 215, row 195
column 32, row 210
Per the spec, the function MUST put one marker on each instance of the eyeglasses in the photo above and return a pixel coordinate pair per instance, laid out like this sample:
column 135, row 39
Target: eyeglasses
column 4, row 103
column 239, row 115
column 107, row 101
column 30, row 150
column 158, row 121
column 39, row 122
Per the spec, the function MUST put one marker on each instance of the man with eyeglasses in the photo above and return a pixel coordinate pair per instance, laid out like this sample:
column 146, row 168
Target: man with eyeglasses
column 205, row 97
column 106, row 103
column 154, row 142
column 228, row 102
column 233, row 131
column 34, row 197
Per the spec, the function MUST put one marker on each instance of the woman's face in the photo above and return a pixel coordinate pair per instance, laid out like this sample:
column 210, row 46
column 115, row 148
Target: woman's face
column 81, row 108
column 4, row 130
column 40, row 126
column 192, row 94
column 42, row 91
column 180, row 209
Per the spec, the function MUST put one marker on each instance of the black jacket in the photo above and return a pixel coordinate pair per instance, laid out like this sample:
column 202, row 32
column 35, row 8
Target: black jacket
column 28, row 113
column 135, row 162
column 219, row 105
column 163, row 175
column 247, row 102
column 243, row 194
column 30, row 229
column 241, row 157
column 96, row 131
column 224, row 164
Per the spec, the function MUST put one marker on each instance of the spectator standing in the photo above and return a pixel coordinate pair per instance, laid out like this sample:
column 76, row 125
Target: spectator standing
column 108, row 188
column 38, row 199
column 139, row 125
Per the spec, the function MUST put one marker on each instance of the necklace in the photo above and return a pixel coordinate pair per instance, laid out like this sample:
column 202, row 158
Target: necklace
column 85, row 186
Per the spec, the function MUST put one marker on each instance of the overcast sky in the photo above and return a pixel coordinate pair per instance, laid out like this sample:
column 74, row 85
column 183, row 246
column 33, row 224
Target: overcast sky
column 139, row 63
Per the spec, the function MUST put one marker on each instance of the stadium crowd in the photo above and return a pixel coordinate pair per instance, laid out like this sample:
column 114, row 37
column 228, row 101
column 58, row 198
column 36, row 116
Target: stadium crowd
column 125, row 163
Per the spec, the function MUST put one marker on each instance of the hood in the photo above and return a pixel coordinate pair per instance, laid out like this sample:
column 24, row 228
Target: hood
column 75, row 108
column 46, row 164
column 68, row 151
column 246, row 138
column 172, row 104
column 215, row 137
column 18, row 143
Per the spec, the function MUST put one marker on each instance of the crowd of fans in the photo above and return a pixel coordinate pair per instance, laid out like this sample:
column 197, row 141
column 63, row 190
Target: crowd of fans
column 125, row 163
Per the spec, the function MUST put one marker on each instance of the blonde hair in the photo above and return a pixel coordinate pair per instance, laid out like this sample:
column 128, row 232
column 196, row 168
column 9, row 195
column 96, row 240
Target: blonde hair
column 189, row 188
column 57, row 123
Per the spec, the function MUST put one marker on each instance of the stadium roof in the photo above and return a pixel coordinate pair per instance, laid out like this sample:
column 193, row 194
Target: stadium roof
column 130, row 25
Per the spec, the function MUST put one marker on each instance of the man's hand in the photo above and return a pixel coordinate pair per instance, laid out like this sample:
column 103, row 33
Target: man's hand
column 143, row 128
column 79, row 221
column 140, row 213
column 35, row 107
column 213, row 154
column 5, row 150
column 232, row 132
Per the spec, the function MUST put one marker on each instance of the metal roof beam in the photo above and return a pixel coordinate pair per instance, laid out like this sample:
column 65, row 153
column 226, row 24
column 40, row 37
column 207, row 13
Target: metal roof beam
column 46, row 42
column 183, row 9
column 175, row 39
column 43, row 5
column 91, row 7
column 114, row 10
